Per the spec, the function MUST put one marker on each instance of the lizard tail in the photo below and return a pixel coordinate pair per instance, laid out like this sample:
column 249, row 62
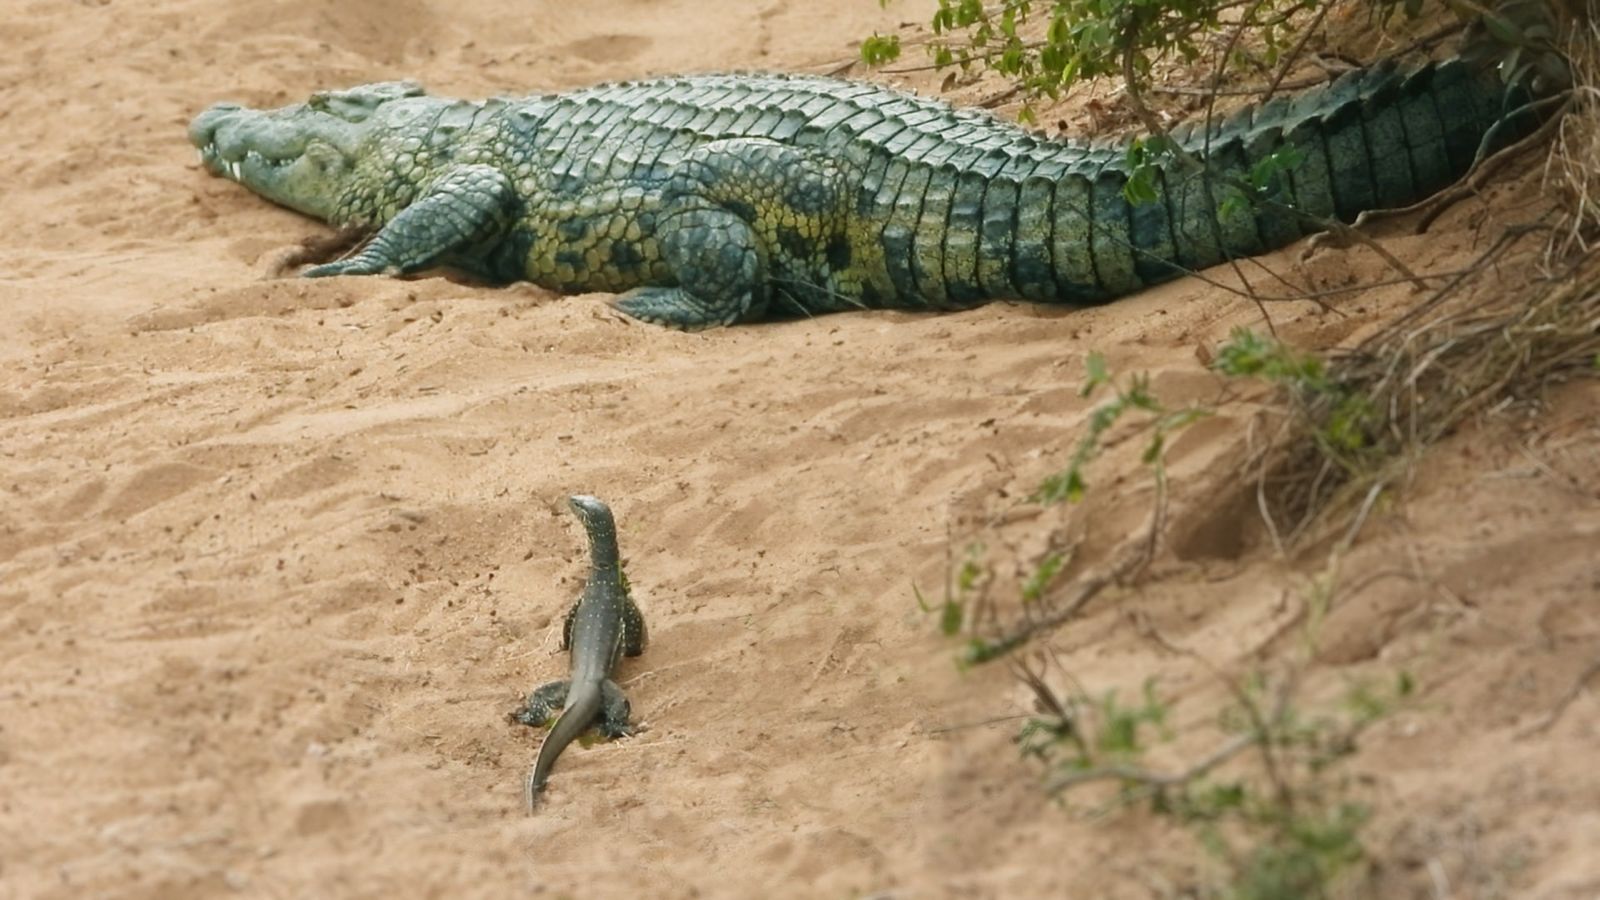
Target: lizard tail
column 583, row 704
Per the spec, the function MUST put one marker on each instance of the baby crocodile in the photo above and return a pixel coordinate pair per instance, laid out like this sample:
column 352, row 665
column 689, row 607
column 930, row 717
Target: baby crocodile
column 600, row 628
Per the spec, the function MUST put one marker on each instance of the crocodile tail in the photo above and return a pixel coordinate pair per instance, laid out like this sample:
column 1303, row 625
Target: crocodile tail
column 583, row 704
column 1379, row 137
column 1384, row 136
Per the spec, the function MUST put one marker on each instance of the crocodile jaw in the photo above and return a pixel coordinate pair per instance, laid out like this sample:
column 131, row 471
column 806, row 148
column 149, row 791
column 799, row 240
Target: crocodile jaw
column 295, row 156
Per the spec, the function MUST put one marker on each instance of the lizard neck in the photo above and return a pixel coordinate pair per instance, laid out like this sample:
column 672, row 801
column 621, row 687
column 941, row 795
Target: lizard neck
column 605, row 559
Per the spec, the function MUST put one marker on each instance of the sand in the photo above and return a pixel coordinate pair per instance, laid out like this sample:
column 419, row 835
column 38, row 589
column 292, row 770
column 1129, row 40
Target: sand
column 277, row 556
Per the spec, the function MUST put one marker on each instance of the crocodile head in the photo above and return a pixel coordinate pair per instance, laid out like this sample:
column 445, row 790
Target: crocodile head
column 333, row 157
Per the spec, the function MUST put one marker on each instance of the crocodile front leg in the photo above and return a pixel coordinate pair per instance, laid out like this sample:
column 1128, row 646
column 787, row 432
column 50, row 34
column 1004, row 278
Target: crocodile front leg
column 465, row 208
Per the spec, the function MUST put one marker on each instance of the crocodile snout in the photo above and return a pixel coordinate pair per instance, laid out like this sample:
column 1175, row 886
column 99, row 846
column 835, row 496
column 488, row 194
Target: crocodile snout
column 228, row 133
column 203, row 130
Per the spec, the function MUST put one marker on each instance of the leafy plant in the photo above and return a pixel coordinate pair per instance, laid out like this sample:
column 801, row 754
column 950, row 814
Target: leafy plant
column 1345, row 418
column 879, row 49
column 952, row 609
column 1040, row 580
column 962, row 594
column 1082, row 39
column 1284, row 829
column 1070, row 484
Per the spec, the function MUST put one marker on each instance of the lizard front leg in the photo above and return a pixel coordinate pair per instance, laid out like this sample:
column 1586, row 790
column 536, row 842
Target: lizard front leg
column 543, row 703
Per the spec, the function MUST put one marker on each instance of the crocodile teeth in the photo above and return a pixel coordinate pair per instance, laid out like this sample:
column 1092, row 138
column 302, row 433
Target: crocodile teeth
column 233, row 169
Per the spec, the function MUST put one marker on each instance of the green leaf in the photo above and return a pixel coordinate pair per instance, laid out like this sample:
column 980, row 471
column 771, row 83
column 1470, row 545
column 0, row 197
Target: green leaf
column 1152, row 452
column 1140, row 187
column 1075, row 487
column 950, row 619
column 1096, row 366
column 1182, row 418
column 1067, row 485
column 1057, row 33
column 951, row 613
column 1040, row 580
column 971, row 571
column 979, row 651
column 1233, row 206
column 1503, row 29
column 879, row 49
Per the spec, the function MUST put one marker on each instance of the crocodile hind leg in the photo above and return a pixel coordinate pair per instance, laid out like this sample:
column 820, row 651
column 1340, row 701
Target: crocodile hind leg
column 545, row 702
column 737, row 213
column 614, row 711
column 719, row 272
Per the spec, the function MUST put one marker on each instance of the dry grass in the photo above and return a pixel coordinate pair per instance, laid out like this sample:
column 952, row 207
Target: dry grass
column 1526, row 313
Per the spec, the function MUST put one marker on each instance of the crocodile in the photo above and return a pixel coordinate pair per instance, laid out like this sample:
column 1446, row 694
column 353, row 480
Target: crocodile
column 602, row 627
column 714, row 199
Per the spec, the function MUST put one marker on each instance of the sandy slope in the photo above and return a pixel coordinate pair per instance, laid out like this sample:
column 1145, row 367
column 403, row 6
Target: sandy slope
column 276, row 557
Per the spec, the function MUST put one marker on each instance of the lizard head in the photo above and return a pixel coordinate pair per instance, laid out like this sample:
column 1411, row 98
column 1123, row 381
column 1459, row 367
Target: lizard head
column 593, row 512
column 600, row 526
column 346, row 157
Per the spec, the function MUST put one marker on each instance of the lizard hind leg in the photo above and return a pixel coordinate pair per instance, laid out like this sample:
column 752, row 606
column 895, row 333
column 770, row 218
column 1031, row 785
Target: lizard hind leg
column 544, row 702
column 635, row 635
column 614, row 713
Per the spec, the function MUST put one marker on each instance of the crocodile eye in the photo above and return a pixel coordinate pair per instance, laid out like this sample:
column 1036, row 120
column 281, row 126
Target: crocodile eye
column 321, row 157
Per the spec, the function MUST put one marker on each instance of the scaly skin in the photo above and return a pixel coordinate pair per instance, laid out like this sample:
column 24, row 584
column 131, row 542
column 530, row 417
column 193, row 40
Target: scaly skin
column 718, row 199
column 601, row 627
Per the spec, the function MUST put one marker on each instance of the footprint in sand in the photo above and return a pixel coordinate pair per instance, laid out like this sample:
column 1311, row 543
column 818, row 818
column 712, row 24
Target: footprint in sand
column 153, row 486
column 320, row 474
column 78, row 501
column 606, row 48
column 321, row 817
